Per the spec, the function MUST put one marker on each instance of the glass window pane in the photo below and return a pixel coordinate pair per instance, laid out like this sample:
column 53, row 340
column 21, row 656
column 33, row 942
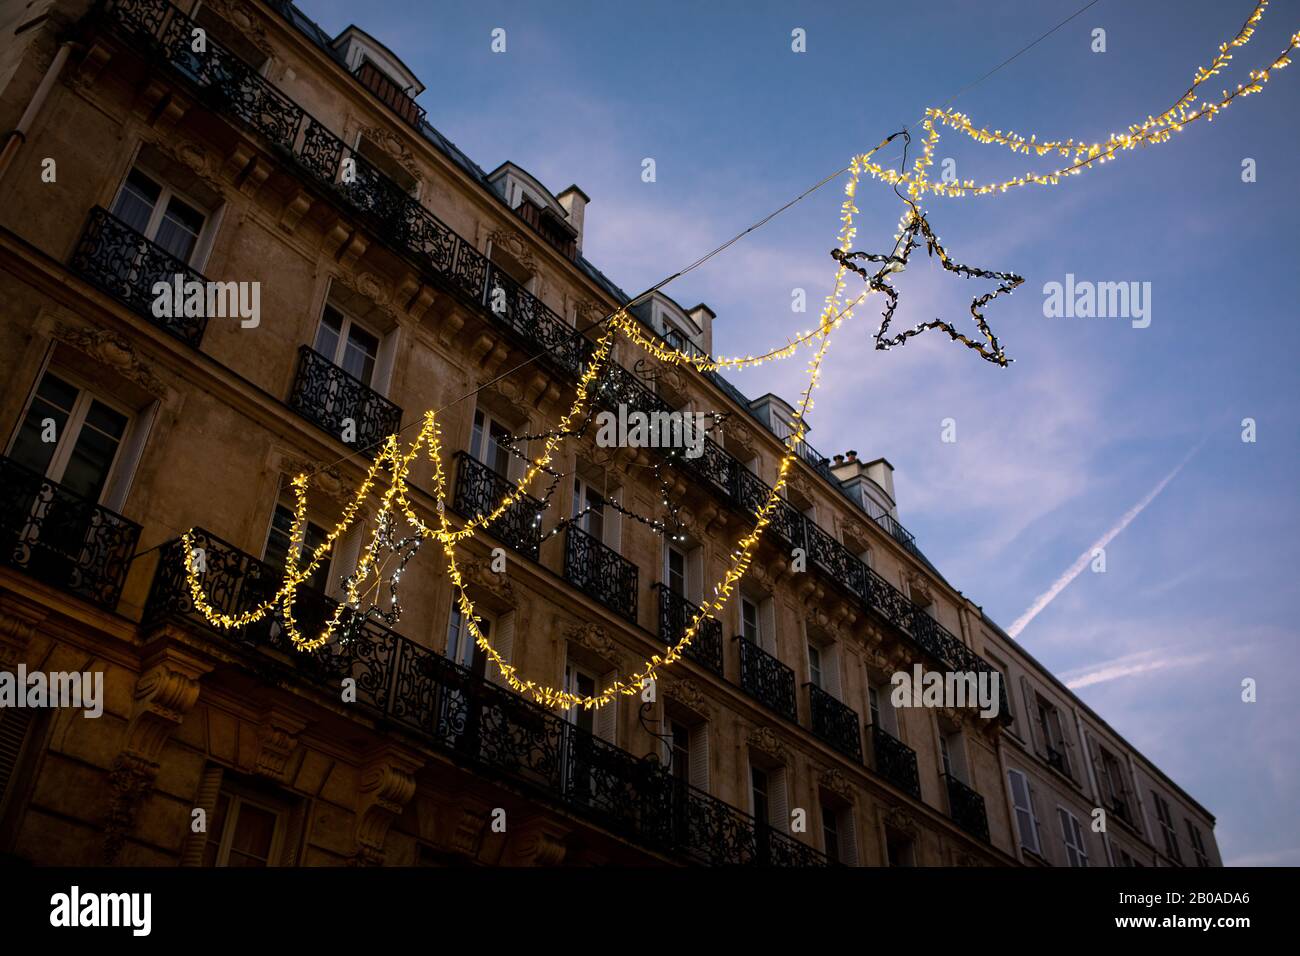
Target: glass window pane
column 135, row 202
column 328, row 332
column 179, row 230
column 254, row 833
column 54, row 399
column 359, row 355
column 91, row 461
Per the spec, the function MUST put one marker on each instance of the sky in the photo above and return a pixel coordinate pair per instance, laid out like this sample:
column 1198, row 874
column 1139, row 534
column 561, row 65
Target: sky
column 1100, row 433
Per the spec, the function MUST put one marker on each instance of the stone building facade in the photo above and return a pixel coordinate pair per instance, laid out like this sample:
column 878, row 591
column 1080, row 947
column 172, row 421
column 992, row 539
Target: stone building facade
column 233, row 141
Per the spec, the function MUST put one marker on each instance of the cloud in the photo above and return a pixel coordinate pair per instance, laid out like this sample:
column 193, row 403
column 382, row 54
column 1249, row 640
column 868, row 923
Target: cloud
column 1128, row 666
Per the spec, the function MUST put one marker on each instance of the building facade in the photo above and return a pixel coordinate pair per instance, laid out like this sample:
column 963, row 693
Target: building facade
column 375, row 272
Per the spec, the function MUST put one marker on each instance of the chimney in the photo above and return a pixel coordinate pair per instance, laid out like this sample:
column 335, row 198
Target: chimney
column 574, row 201
column 703, row 316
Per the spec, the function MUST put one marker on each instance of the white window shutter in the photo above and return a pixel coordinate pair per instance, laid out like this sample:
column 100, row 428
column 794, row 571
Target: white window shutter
column 344, row 563
column 831, row 670
column 778, row 801
column 699, row 769
column 1038, row 817
column 606, row 724
column 385, row 361
column 695, row 575
column 767, row 625
column 504, row 642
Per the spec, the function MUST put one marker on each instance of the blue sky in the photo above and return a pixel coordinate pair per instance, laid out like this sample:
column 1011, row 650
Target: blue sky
column 1199, row 590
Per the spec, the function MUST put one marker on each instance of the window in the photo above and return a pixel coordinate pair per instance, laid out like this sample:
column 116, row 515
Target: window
column 1167, row 828
column 675, row 570
column 953, row 753
column 347, row 344
column 1026, row 819
column 1125, row 858
column 589, row 509
column 1076, row 850
column 900, row 849
column 1111, row 779
column 88, row 435
column 688, row 751
column 815, row 665
column 579, row 681
column 462, row 649
column 831, row 833
column 490, row 443
column 839, row 841
column 280, row 544
column 881, row 708
column 758, row 791
column 1049, row 722
column 1198, row 844
column 758, row 621
column 160, row 214
column 242, row 832
column 749, row 622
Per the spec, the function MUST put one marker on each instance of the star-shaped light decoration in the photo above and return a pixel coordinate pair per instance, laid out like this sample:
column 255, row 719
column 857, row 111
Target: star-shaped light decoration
column 916, row 224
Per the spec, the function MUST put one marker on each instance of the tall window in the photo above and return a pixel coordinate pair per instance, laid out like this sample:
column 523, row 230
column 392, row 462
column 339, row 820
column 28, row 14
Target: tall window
column 759, row 786
column 242, row 832
column 1049, row 721
column 675, row 570
column 155, row 210
column 831, row 832
column 462, row 649
column 280, row 544
column 347, row 344
column 489, row 443
column 1167, row 828
column 881, row 708
column 815, row 666
column 953, row 753
column 581, row 682
column 1112, row 784
column 87, row 434
column 1026, row 819
column 589, row 509
column 1198, row 844
column 1076, row 850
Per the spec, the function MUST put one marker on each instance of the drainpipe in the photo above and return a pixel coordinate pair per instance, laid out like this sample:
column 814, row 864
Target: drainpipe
column 15, row 137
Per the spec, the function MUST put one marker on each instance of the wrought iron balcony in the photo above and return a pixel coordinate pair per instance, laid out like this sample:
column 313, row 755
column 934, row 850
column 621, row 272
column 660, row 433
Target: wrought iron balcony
column 600, row 572
column 114, row 257
column 222, row 82
column 555, row 231
column 840, row 564
column 479, row 490
column 390, row 94
column 835, row 722
column 342, row 404
column 675, row 614
column 895, row 761
column 898, row 532
column 766, row 679
column 966, row 807
column 485, row 727
column 61, row 538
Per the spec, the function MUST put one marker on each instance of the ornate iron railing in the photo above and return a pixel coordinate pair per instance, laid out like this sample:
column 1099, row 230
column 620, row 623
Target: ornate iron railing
column 480, row 724
column 479, row 490
column 61, row 538
column 895, row 761
column 600, row 572
column 966, row 807
column 835, row 722
column 160, row 31
column 114, row 257
column 342, row 404
column 766, row 679
column 675, row 614
column 390, row 94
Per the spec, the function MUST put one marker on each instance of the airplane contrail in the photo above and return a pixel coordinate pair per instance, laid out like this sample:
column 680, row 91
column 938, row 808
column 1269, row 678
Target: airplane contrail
column 1081, row 562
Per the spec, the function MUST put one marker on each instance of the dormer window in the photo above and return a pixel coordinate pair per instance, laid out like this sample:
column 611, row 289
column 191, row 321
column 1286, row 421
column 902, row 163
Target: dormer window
column 380, row 71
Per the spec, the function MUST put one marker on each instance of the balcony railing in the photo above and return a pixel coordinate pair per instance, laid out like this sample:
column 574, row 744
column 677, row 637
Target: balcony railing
column 766, row 679
column 836, row 723
column 61, row 538
column 480, row 724
column 895, row 761
column 966, row 807
column 342, row 404
column 555, row 233
column 600, row 572
column 675, row 615
column 114, row 257
column 160, row 31
column 390, row 94
column 479, row 490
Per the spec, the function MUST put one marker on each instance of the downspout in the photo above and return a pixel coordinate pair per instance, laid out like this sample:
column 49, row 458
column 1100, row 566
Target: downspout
column 15, row 137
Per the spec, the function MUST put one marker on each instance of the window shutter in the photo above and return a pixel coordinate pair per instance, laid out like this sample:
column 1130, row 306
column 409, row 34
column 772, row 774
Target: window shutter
column 831, row 670
column 778, row 801
column 1038, row 818
column 699, row 769
column 614, row 523
column 504, row 643
column 606, row 724
column 344, row 563
column 767, row 625
column 695, row 574
column 14, row 727
column 1031, row 717
column 128, row 457
column 1026, row 824
column 382, row 380
column 848, row 837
